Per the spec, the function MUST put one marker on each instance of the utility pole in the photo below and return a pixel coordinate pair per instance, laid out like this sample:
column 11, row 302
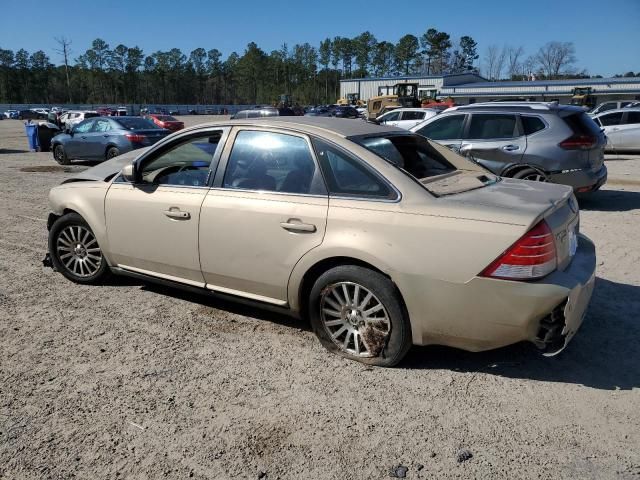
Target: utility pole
column 65, row 51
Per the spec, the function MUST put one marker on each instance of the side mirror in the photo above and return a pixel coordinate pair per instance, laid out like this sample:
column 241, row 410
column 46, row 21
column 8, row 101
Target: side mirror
column 129, row 172
column 466, row 149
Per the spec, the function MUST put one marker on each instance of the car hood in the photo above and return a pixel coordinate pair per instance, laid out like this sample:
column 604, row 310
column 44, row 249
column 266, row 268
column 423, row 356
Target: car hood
column 106, row 170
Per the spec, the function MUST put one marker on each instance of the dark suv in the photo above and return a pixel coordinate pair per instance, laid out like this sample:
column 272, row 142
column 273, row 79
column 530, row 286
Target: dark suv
column 527, row 140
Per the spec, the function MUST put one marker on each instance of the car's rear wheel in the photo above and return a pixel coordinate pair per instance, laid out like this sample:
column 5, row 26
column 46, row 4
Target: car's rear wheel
column 75, row 251
column 60, row 155
column 531, row 174
column 357, row 313
column 112, row 152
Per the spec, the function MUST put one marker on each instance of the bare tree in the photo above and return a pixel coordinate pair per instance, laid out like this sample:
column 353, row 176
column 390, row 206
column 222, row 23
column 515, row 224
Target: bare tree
column 494, row 61
column 556, row 58
column 513, row 61
column 65, row 51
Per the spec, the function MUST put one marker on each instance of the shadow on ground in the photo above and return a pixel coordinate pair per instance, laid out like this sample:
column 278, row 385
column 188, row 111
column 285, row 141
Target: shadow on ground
column 11, row 150
column 604, row 354
column 611, row 201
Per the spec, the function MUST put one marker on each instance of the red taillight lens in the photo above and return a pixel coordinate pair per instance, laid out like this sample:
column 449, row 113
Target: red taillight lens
column 530, row 258
column 135, row 138
column 578, row 142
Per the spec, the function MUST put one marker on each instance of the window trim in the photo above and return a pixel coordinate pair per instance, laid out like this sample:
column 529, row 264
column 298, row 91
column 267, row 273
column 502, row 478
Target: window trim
column 366, row 166
column 218, row 178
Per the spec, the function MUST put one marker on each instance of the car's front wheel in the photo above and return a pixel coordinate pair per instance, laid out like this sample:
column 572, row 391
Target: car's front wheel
column 75, row 251
column 60, row 155
column 357, row 313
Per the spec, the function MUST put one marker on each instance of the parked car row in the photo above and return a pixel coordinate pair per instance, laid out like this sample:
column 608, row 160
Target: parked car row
column 622, row 128
column 473, row 260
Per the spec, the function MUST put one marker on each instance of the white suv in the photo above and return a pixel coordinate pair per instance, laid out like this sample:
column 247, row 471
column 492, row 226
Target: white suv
column 69, row 119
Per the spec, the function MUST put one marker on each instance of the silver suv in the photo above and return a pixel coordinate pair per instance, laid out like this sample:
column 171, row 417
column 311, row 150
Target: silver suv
column 527, row 140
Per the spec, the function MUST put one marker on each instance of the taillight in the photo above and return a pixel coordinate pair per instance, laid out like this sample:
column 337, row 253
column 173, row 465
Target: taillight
column 530, row 258
column 579, row 142
column 135, row 138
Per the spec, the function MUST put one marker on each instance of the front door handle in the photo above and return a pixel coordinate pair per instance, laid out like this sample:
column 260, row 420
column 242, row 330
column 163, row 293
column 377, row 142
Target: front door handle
column 295, row 225
column 510, row 148
column 177, row 213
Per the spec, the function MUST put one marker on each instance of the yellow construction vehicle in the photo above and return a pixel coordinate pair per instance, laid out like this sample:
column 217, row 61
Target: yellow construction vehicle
column 582, row 96
column 351, row 99
column 403, row 95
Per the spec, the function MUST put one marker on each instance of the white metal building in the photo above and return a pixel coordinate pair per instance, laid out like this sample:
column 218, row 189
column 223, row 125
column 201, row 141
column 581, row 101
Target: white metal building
column 471, row 88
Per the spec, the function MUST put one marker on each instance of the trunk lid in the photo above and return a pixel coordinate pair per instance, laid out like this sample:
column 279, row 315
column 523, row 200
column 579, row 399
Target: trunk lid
column 526, row 203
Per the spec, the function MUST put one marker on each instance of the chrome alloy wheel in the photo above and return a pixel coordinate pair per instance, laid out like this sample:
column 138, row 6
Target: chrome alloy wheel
column 355, row 319
column 78, row 251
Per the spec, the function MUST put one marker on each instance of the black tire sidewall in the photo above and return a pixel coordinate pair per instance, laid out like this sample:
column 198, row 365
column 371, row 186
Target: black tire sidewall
column 108, row 156
column 399, row 341
column 72, row 219
column 65, row 159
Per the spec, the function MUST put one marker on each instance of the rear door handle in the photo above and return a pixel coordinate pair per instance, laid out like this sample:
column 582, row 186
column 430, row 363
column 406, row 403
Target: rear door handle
column 177, row 213
column 510, row 148
column 295, row 225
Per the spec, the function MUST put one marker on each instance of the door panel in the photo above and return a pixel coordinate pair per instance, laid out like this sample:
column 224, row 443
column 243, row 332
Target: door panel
column 155, row 229
column 494, row 141
column 250, row 241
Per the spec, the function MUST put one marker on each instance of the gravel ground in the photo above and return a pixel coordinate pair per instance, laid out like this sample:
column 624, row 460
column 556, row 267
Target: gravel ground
column 137, row 381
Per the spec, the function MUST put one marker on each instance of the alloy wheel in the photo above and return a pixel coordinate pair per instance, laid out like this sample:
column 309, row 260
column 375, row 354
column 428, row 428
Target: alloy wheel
column 78, row 250
column 355, row 319
column 535, row 177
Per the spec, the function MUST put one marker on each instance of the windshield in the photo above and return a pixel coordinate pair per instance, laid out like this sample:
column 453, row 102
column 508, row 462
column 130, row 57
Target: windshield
column 134, row 123
column 429, row 163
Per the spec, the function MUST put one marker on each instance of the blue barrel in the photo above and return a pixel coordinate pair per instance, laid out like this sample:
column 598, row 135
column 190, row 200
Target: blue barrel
column 32, row 136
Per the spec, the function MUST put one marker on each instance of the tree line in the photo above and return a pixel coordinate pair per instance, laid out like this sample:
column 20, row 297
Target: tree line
column 125, row 74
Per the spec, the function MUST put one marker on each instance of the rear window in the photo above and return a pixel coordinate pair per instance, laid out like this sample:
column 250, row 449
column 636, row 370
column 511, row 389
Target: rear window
column 582, row 124
column 136, row 123
column 166, row 118
column 90, row 115
column 411, row 153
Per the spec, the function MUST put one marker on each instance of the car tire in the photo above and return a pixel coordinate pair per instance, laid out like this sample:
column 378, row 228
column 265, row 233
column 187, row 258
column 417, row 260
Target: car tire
column 112, row 152
column 370, row 326
column 531, row 174
column 60, row 155
column 75, row 252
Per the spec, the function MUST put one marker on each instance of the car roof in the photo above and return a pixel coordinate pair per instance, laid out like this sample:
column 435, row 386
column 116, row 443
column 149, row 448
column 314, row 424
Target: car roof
column 338, row 126
column 617, row 110
column 412, row 109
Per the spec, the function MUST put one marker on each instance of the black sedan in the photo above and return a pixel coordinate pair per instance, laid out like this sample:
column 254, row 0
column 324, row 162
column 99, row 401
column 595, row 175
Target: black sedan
column 102, row 138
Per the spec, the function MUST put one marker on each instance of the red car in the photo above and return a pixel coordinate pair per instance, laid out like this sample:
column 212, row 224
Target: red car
column 165, row 121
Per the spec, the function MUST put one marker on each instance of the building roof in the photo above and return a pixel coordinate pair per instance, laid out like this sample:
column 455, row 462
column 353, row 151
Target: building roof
column 542, row 83
column 413, row 77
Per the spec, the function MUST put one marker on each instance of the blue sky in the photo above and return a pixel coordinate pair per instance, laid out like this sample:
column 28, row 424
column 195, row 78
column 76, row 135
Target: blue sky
column 606, row 33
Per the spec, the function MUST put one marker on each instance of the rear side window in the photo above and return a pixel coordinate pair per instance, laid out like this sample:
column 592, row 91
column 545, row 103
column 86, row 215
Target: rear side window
column 412, row 115
column 444, row 128
column 633, row 117
column 491, row 126
column 346, row 176
column 611, row 119
column 532, row 125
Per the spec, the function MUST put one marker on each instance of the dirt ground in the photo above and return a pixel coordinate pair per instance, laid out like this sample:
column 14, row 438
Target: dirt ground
column 141, row 382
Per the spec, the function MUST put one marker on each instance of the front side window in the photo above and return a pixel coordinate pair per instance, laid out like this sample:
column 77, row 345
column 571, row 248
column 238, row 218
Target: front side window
column 444, row 128
column 347, row 176
column 492, row 126
column 185, row 164
column 102, row 125
column 273, row 162
column 84, row 126
column 611, row 119
column 391, row 117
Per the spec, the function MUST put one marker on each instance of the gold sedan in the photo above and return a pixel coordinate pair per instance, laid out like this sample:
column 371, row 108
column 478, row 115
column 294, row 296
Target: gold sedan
column 381, row 238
